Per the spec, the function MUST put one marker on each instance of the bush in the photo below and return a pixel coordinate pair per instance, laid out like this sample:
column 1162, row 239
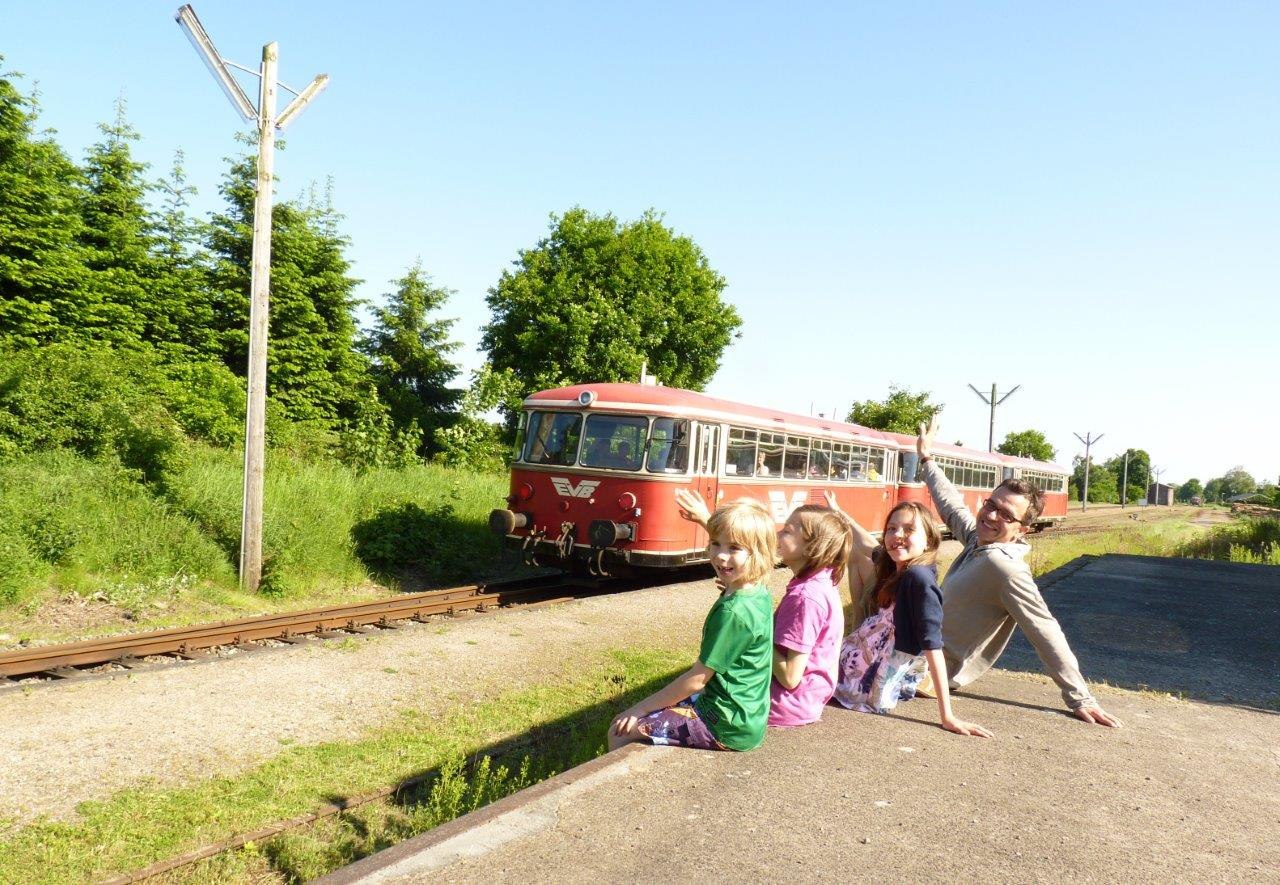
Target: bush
column 407, row 538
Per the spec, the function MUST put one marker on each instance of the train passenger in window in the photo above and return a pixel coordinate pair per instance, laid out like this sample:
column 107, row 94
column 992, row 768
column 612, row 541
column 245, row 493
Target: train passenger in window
column 762, row 469
column 989, row 589
column 624, row 458
column 815, row 543
column 873, row 475
column 722, row 701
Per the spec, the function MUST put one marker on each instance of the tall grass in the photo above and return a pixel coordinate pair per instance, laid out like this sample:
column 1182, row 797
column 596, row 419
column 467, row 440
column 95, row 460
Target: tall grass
column 1254, row 540
column 89, row 526
column 1164, row 537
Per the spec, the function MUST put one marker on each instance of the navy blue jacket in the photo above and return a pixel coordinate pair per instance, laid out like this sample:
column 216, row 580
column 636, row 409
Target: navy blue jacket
column 917, row 613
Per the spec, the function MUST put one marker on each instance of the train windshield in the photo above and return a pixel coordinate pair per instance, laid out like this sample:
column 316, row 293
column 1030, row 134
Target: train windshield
column 552, row 438
column 669, row 446
column 614, row 441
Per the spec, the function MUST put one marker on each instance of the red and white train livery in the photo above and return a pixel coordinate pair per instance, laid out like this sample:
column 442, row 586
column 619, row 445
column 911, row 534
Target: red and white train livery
column 597, row 465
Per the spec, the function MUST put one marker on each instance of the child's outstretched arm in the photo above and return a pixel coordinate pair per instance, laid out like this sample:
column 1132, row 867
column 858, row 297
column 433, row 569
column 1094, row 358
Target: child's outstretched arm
column 623, row 729
column 692, row 507
column 938, row 670
column 864, row 543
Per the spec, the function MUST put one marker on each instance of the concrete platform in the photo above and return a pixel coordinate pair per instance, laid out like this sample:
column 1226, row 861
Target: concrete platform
column 1186, row 791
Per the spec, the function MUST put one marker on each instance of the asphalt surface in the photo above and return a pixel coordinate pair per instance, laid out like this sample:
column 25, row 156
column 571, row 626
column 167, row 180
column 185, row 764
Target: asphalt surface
column 1187, row 790
column 1209, row 630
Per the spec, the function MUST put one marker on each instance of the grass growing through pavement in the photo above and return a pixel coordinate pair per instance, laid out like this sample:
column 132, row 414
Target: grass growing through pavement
column 531, row 734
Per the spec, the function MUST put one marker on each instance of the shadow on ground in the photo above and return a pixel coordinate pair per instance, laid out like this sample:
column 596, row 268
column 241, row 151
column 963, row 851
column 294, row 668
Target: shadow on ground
column 1207, row 630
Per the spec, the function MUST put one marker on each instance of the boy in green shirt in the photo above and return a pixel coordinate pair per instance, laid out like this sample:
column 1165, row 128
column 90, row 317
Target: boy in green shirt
column 722, row 701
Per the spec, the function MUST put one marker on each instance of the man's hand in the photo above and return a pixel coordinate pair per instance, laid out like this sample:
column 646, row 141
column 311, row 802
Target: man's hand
column 1098, row 716
column 692, row 507
column 924, row 442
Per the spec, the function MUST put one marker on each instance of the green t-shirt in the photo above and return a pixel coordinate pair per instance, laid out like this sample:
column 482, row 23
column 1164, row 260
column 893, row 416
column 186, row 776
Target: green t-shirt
column 737, row 643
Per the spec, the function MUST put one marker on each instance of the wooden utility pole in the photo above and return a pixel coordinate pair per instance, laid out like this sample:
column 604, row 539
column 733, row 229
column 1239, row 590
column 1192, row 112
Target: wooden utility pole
column 259, row 324
column 1088, row 439
column 993, row 402
column 260, row 279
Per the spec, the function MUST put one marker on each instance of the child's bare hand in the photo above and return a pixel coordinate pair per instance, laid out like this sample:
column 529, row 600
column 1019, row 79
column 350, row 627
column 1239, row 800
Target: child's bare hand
column 692, row 507
column 830, row 497
column 624, row 723
column 959, row 726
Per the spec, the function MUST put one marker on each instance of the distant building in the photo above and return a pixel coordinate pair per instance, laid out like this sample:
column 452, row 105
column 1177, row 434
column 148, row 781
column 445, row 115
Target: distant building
column 1160, row 493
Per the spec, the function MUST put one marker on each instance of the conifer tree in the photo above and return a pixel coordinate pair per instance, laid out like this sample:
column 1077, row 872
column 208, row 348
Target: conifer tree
column 117, row 235
column 314, row 372
column 43, row 292
column 182, row 288
column 410, row 356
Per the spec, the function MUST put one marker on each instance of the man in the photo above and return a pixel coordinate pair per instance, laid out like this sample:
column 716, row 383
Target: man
column 989, row 589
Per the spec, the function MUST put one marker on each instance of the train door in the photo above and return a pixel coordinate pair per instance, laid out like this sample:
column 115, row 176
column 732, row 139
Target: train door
column 706, row 468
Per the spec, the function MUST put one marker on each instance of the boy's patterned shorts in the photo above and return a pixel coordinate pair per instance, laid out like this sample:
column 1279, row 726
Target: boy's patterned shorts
column 679, row 726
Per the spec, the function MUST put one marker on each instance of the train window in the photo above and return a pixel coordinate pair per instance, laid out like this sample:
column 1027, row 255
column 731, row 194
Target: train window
column 521, row 427
column 820, row 459
column 840, row 458
column 875, row 463
column 669, row 446
column 966, row 476
column 858, row 463
column 740, row 458
column 553, row 438
column 769, row 460
column 614, row 441
column 796, row 464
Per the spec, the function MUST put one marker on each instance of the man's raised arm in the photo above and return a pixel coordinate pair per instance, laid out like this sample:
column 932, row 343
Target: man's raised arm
column 946, row 498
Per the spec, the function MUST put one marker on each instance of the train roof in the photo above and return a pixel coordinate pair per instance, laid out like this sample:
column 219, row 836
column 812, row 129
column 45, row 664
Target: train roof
column 675, row 401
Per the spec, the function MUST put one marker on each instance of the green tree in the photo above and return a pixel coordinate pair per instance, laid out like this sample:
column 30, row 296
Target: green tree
column 1102, row 482
column 118, row 238
column 314, row 372
column 1213, row 490
column 410, row 357
column 181, row 291
column 597, row 299
column 43, row 291
column 1139, row 474
column 900, row 412
column 1237, row 481
column 473, row 441
column 1028, row 444
column 1190, row 489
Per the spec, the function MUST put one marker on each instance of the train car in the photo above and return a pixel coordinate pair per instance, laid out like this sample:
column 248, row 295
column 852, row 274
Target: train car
column 597, row 465
column 1052, row 480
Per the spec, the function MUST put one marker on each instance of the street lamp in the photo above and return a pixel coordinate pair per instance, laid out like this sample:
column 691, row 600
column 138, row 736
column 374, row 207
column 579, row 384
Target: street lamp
column 260, row 285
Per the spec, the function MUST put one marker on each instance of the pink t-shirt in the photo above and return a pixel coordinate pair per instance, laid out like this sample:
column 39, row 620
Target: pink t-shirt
column 810, row 620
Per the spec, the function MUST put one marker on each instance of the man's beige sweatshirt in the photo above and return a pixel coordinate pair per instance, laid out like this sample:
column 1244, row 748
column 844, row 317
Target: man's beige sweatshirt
column 986, row 593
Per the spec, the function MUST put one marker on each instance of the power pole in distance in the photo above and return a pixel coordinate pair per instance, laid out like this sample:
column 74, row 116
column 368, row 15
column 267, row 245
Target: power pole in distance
column 1088, row 439
column 1124, row 483
column 264, row 115
column 1157, row 473
column 993, row 402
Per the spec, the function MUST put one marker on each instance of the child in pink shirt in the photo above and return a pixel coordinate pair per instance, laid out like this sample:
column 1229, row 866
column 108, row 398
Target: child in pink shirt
column 815, row 543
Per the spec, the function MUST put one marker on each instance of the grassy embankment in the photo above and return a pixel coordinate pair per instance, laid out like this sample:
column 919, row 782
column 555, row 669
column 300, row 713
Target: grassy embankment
column 86, row 548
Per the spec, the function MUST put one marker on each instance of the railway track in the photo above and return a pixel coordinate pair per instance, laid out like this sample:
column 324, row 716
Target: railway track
column 73, row 660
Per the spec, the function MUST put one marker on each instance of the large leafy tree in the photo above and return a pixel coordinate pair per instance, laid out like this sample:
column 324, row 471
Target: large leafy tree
column 900, row 412
column 1139, row 474
column 1237, row 481
column 1028, row 444
column 1189, row 489
column 410, row 352
column 43, row 279
column 596, row 299
column 1102, row 482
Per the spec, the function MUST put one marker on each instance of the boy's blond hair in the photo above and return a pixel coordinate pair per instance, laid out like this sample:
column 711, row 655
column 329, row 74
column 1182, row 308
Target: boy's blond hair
column 747, row 522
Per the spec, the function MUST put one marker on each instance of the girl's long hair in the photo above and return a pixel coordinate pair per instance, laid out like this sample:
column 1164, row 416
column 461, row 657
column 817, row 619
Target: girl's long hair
column 828, row 541
column 884, row 589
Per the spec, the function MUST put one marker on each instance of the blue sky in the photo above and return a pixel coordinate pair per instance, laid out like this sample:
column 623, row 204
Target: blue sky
column 1083, row 199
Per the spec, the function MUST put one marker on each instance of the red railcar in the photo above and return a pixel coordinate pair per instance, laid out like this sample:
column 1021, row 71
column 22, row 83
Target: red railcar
column 597, row 466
